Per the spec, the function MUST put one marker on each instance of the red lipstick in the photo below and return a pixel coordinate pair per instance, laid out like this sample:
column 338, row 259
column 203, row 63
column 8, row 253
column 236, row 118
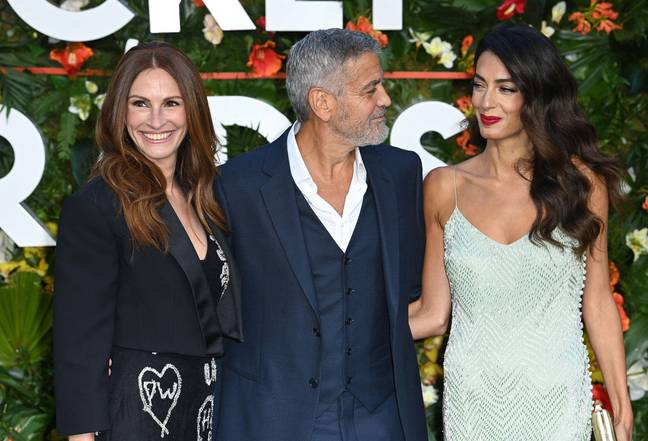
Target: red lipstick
column 489, row 120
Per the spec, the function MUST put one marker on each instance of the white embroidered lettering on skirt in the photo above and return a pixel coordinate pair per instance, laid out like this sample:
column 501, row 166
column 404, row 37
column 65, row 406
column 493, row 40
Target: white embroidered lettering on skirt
column 204, row 420
column 211, row 371
column 166, row 386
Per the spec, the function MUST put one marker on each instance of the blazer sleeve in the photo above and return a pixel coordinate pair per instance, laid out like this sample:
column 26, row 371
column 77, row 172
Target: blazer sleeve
column 86, row 273
column 418, row 243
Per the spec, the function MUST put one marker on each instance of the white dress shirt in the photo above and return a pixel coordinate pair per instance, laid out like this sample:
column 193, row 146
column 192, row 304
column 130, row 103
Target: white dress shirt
column 339, row 227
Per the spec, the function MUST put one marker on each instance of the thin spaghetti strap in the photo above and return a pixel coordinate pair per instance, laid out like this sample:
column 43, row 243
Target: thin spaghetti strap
column 454, row 185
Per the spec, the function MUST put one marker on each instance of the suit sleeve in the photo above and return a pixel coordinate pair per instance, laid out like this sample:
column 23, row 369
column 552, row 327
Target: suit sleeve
column 84, row 307
column 418, row 241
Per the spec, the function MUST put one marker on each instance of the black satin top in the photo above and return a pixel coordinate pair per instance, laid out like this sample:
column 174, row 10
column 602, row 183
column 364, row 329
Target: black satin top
column 216, row 269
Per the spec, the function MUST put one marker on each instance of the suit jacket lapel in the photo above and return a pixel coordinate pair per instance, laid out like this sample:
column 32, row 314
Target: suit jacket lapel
column 181, row 248
column 387, row 210
column 279, row 197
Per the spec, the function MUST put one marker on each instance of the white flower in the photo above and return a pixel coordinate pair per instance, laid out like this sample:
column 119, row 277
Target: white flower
column 638, row 379
column 99, row 100
column 419, row 38
column 212, row 32
column 447, row 59
column 6, row 247
column 637, row 241
column 558, row 11
column 548, row 31
column 91, row 87
column 430, row 395
column 437, row 47
column 81, row 106
column 74, row 5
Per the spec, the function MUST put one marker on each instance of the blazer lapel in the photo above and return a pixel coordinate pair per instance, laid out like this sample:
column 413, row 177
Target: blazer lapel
column 181, row 248
column 387, row 210
column 279, row 196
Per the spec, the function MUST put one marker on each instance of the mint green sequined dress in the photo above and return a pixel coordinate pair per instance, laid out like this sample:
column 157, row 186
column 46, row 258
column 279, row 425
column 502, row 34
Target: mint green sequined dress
column 516, row 367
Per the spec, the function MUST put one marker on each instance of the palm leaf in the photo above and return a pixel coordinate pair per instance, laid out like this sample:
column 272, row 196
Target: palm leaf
column 25, row 321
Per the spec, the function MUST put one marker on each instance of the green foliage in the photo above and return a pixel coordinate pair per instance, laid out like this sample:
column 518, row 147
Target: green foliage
column 612, row 71
column 242, row 139
column 25, row 321
column 26, row 402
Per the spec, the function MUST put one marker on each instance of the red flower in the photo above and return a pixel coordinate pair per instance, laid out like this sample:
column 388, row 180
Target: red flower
column 509, row 8
column 599, row 393
column 72, row 57
column 261, row 22
column 625, row 320
column 582, row 25
column 466, row 43
column 465, row 105
column 264, row 60
column 607, row 26
column 363, row 25
column 604, row 10
column 599, row 16
column 645, row 204
column 463, row 141
column 199, row 3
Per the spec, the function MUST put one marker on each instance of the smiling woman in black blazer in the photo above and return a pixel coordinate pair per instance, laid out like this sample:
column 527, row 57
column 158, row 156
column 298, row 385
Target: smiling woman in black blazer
column 143, row 273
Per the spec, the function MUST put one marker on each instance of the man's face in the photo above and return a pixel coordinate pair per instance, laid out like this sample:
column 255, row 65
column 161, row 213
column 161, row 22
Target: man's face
column 360, row 112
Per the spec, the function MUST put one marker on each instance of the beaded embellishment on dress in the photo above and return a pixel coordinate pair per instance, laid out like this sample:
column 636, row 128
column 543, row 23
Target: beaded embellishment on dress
column 516, row 367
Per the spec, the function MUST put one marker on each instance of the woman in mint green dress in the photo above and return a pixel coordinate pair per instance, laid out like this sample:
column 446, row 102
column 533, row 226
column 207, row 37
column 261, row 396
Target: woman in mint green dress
column 516, row 251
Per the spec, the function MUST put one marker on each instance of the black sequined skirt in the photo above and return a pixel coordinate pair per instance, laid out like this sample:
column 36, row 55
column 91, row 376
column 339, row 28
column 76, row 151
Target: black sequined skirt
column 166, row 397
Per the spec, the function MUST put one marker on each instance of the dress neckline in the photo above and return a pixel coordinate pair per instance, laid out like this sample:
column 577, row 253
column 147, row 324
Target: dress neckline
column 458, row 212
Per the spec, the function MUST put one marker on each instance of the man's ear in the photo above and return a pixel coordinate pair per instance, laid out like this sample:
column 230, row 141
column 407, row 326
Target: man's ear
column 322, row 103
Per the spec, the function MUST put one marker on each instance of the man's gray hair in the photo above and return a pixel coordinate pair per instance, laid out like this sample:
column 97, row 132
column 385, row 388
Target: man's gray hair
column 317, row 59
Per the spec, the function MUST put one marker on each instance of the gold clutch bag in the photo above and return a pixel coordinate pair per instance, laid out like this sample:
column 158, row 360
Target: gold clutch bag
column 602, row 424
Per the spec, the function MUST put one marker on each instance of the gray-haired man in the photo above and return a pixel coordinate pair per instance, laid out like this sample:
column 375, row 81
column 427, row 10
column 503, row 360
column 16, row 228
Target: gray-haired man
column 327, row 231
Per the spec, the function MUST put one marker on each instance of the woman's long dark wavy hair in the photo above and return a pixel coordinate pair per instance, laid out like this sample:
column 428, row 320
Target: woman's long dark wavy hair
column 560, row 135
column 138, row 183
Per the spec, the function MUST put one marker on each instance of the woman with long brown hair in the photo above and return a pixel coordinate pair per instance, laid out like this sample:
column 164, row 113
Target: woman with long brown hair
column 144, row 278
column 517, row 250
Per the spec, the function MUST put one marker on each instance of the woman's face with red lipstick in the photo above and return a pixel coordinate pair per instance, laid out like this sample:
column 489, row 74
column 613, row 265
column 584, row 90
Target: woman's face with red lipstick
column 496, row 99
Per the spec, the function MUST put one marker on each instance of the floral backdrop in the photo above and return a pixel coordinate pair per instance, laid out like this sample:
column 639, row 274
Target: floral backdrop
column 605, row 43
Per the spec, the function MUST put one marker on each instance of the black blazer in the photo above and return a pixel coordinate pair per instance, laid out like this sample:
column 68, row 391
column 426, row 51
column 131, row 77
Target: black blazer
column 108, row 293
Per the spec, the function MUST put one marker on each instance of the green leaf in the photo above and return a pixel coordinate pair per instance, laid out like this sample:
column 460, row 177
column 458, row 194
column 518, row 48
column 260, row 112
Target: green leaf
column 67, row 134
column 25, row 320
column 242, row 139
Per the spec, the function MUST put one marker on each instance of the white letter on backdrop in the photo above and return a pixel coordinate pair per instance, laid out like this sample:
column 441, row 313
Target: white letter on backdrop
column 295, row 15
column 248, row 112
column 88, row 25
column 230, row 15
column 29, row 163
column 387, row 14
column 428, row 116
column 164, row 16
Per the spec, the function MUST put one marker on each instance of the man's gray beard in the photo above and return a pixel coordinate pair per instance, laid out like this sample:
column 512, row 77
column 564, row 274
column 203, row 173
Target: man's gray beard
column 363, row 135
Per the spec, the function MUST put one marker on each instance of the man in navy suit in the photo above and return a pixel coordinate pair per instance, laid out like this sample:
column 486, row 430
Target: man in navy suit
column 327, row 230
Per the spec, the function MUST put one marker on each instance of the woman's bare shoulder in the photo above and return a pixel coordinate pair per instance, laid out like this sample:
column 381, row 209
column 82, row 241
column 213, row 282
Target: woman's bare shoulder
column 438, row 191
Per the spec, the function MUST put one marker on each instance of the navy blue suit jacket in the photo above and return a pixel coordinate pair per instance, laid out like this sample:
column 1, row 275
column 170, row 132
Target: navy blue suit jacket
column 267, row 391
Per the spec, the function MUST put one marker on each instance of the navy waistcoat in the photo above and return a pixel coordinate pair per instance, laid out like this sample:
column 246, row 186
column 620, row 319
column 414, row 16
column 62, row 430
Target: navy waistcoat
column 352, row 307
